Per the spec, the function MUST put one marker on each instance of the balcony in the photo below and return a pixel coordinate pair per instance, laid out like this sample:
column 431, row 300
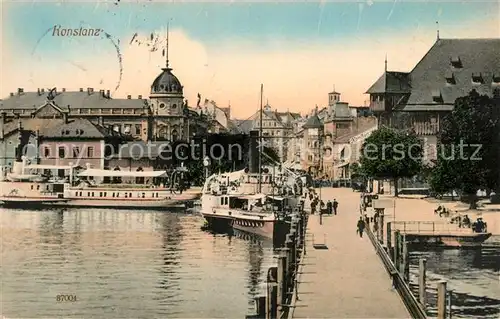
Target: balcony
column 377, row 106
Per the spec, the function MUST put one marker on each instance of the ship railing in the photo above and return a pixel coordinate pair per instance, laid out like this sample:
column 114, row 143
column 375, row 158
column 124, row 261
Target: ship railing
column 429, row 227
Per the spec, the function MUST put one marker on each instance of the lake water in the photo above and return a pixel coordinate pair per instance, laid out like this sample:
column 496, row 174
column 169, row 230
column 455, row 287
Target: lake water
column 472, row 274
column 125, row 264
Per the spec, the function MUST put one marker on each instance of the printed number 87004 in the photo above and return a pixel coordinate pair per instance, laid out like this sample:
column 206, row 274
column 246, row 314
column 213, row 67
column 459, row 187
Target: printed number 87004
column 71, row 298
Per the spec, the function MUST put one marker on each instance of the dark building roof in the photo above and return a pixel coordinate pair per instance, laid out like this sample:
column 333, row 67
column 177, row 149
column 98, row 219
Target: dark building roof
column 166, row 83
column 391, row 82
column 313, row 122
column 244, row 126
column 459, row 59
column 31, row 124
column 360, row 126
column 78, row 128
column 75, row 100
column 450, row 69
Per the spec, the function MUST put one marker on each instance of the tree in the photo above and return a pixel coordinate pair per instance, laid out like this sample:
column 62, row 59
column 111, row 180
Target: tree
column 469, row 147
column 391, row 154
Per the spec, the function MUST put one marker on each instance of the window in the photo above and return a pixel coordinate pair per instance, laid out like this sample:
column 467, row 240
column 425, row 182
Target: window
column 477, row 78
column 90, row 152
column 76, row 151
column 61, row 152
column 138, row 129
column 174, row 106
column 46, row 152
column 162, row 105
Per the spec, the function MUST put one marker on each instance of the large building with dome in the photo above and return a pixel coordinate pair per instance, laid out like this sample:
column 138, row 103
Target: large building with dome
column 55, row 122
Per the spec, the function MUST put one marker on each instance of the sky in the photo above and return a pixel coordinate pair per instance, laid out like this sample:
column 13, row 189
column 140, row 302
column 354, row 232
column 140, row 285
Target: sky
column 225, row 50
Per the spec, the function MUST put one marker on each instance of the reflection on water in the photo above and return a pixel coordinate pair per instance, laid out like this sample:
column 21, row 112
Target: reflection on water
column 472, row 275
column 123, row 264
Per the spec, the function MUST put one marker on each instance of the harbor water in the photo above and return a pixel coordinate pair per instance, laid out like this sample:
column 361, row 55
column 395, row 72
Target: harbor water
column 129, row 264
column 126, row 264
column 472, row 274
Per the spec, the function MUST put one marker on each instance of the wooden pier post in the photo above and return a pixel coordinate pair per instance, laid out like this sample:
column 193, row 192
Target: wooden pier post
column 441, row 300
column 260, row 305
column 405, row 261
column 450, row 300
column 422, row 264
column 381, row 226
column 396, row 249
column 389, row 238
column 282, row 281
column 272, row 293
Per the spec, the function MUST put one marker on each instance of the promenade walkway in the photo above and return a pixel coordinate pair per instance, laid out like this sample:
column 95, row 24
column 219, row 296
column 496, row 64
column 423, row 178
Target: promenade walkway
column 347, row 280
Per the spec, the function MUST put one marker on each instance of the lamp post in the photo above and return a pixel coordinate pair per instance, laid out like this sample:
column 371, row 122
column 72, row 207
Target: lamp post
column 206, row 163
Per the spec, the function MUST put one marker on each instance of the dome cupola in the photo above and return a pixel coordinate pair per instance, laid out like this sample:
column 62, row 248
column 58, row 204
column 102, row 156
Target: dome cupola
column 166, row 84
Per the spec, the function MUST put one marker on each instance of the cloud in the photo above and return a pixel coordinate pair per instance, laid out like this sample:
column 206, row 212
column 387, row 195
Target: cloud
column 296, row 75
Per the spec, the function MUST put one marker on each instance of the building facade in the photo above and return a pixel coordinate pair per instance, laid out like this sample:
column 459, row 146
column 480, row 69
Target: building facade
column 419, row 99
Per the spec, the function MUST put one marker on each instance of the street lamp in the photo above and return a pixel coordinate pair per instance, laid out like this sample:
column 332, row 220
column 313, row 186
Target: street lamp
column 206, row 163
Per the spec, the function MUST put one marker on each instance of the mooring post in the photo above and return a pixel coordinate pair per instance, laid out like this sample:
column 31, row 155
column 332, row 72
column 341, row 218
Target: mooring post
column 381, row 226
column 406, row 261
column 389, row 238
column 260, row 305
column 396, row 249
column 441, row 300
column 282, row 274
column 422, row 263
column 272, row 293
column 450, row 300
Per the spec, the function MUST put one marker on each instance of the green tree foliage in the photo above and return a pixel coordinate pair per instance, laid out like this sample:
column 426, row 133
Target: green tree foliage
column 391, row 154
column 469, row 147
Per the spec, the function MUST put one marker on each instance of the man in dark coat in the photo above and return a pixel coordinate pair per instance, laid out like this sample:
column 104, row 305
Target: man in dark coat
column 335, row 206
column 361, row 226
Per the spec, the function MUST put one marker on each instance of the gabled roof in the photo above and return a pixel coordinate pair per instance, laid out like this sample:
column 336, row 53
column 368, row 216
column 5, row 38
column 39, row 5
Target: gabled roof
column 78, row 128
column 391, row 82
column 31, row 124
column 458, row 59
column 476, row 56
column 313, row 122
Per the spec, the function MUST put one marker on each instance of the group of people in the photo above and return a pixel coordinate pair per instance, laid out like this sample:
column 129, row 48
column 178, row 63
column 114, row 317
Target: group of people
column 329, row 208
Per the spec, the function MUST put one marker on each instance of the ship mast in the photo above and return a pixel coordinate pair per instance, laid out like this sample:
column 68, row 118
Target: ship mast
column 261, row 147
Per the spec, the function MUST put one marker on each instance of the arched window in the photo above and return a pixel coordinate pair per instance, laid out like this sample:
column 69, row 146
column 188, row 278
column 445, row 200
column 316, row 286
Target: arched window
column 139, row 180
column 175, row 135
column 117, row 179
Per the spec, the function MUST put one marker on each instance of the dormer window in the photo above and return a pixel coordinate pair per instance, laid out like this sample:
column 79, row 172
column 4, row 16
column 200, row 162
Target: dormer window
column 450, row 78
column 162, row 105
column 456, row 62
column 436, row 96
column 174, row 106
column 477, row 78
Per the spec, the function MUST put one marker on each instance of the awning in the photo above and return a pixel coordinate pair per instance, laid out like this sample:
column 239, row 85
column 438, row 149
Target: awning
column 254, row 196
column 275, row 197
column 38, row 166
column 109, row 173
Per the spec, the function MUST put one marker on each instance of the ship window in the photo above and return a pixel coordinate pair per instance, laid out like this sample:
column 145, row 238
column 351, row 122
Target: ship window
column 88, row 194
column 37, row 187
column 105, row 194
column 126, row 195
column 129, row 194
column 222, row 201
column 46, row 152
column 100, row 194
column 113, row 194
column 61, row 152
column 156, row 195
column 47, row 187
column 31, row 187
column 117, row 194
column 92, row 194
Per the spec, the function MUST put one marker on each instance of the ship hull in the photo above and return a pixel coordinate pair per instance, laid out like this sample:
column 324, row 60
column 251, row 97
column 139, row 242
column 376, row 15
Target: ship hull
column 263, row 229
column 448, row 240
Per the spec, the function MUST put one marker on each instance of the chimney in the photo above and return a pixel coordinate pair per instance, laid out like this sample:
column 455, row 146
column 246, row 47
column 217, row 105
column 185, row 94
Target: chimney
column 101, row 92
column 129, row 97
column 20, row 91
column 81, row 89
column 140, row 97
column 11, row 94
column 39, row 92
column 65, row 117
column 90, row 90
column 43, row 91
column 64, row 89
column 2, row 122
column 101, row 121
column 108, row 95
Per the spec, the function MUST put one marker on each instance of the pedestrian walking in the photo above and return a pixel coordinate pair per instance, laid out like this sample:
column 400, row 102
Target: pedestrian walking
column 329, row 207
column 335, row 206
column 361, row 226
